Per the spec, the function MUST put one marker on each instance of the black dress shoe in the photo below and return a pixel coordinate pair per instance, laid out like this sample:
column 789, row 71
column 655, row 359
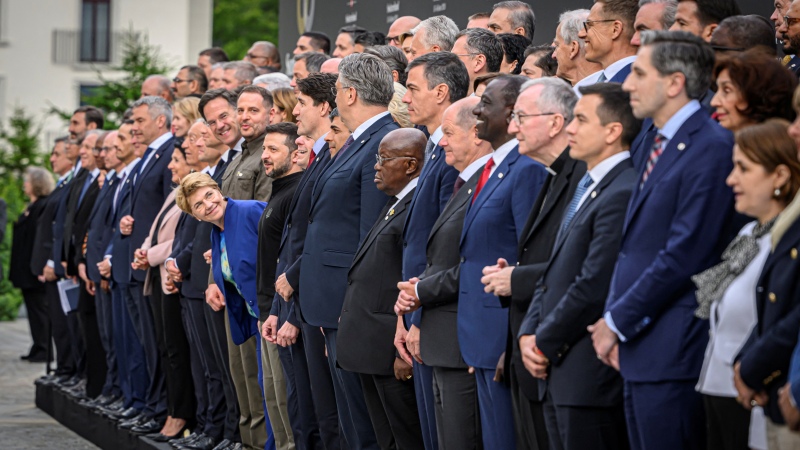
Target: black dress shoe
column 224, row 444
column 185, row 440
column 119, row 413
column 203, row 443
column 151, row 426
column 133, row 422
column 36, row 358
column 71, row 382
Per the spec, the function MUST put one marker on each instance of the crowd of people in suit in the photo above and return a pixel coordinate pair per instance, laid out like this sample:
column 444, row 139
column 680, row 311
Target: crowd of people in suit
column 440, row 238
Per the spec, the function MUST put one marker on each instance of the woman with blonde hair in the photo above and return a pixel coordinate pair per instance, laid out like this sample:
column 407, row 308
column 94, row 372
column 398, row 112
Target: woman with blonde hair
column 184, row 114
column 283, row 101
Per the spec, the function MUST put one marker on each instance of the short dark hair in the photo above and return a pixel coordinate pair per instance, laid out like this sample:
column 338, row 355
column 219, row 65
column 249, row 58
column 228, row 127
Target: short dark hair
column 680, row 51
column 443, row 68
column 91, row 114
column 615, row 106
column 370, row 39
column 266, row 96
column 521, row 16
column 319, row 41
column 763, row 83
column 214, row 94
column 484, row 79
column 393, row 57
column 287, row 129
column 514, row 49
column 197, row 74
column 486, row 43
column 715, row 11
column 745, row 32
column 215, row 55
column 313, row 60
column 318, row 86
column 353, row 30
column 622, row 10
column 510, row 90
column 544, row 58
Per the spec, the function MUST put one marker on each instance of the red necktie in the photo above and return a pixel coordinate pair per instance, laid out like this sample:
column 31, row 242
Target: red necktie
column 311, row 157
column 487, row 169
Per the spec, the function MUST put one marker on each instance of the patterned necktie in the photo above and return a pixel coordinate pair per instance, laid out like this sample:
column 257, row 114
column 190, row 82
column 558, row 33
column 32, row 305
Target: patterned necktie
column 602, row 78
column 655, row 153
column 346, row 145
column 487, row 169
column 429, row 150
column 583, row 185
column 459, row 182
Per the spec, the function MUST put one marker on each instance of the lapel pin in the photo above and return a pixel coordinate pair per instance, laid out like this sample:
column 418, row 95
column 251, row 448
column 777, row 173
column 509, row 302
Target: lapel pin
column 594, row 194
column 793, row 253
column 469, row 191
column 391, row 212
column 433, row 156
column 240, row 174
column 363, row 141
column 499, row 175
column 681, row 146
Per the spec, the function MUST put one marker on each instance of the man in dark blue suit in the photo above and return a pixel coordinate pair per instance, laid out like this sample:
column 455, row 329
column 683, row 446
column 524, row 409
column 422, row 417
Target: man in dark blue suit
column 506, row 190
column 151, row 183
column 344, row 206
column 607, row 32
column 435, row 81
column 580, row 391
column 314, row 418
column 675, row 227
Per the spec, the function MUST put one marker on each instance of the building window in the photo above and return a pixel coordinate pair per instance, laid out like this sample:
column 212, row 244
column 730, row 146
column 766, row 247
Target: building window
column 96, row 31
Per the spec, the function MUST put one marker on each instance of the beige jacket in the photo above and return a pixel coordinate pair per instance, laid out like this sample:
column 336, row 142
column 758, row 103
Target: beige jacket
column 158, row 254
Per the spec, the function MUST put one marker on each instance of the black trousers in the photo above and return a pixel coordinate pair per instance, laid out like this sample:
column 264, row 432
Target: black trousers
column 215, row 322
column 299, row 399
column 59, row 331
column 174, row 351
column 95, row 358
column 578, row 428
column 142, row 317
column 528, row 416
column 36, row 305
column 728, row 424
column 392, row 406
column 458, row 421
column 321, row 384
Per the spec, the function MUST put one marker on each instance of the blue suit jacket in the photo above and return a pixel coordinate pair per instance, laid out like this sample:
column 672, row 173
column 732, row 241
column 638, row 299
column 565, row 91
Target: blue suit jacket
column 241, row 222
column 434, row 189
column 119, row 248
column 344, row 205
column 58, row 224
column 675, row 227
column 492, row 227
column 150, row 189
column 182, row 248
column 100, row 229
column 620, row 76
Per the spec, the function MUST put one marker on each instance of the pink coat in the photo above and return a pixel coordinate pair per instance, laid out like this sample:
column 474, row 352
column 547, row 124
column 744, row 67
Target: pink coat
column 158, row 254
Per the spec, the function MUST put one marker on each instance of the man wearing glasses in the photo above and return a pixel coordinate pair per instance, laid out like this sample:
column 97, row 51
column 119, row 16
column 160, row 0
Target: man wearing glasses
column 607, row 33
column 789, row 29
column 190, row 81
column 264, row 54
column 401, row 29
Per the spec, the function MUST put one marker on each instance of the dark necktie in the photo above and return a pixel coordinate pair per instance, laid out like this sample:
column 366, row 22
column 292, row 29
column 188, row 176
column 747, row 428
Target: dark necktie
column 487, row 170
column 346, row 145
column 602, row 78
column 459, row 182
column 147, row 154
column 652, row 159
column 429, row 150
column 119, row 188
column 583, row 185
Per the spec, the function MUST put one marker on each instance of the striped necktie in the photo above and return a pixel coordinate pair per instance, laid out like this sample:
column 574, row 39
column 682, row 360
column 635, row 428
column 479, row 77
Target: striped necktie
column 655, row 153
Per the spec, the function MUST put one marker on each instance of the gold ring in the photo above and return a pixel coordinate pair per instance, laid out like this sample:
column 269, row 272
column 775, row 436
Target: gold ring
column 408, row 377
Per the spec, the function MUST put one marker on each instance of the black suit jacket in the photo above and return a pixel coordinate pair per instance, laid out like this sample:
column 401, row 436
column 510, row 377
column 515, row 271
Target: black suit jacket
column 438, row 288
column 43, row 244
column 80, row 225
column 533, row 252
column 182, row 252
column 365, row 342
column 100, row 229
column 22, row 245
column 571, row 295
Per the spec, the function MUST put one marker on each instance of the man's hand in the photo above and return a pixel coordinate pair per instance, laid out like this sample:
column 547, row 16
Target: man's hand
column 402, row 370
column 400, row 341
column 613, row 357
column 170, row 285
column 90, row 287
column 407, row 300
column 126, row 225
column 287, row 335
column 207, row 256
column 604, row 339
column 789, row 412
column 533, row 358
column 105, row 268
column 214, row 297
column 105, row 285
column 49, row 273
column 82, row 273
column 140, row 260
column 500, row 370
column 747, row 396
column 269, row 329
column 283, row 288
column 173, row 271
column 497, row 278
column 412, row 343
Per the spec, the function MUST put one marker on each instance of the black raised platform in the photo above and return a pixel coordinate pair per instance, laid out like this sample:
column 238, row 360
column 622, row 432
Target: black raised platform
column 97, row 429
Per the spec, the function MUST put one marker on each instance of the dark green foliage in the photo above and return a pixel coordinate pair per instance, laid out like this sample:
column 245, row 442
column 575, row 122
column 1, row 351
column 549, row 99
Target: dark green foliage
column 239, row 23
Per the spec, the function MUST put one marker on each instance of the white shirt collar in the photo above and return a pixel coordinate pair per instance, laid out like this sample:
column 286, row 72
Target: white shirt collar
column 613, row 69
column 368, row 123
column 318, row 144
column 94, row 173
column 467, row 173
column 591, row 79
column 160, row 141
column 500, row 154
column 437, row 135
column 127, row 169
column 600, row 171
column 207, row 170
column 238, row 146
column 409, row 187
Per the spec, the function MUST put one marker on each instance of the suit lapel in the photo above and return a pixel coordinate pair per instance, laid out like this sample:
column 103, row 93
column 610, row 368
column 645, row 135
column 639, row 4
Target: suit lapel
column 150, row 164
column 464, row 195
column 383, row 221
column 500, row 174
column 437, row 156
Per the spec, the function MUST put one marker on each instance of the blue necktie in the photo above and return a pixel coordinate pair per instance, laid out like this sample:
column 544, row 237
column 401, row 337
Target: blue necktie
column 144, row 158
column 583, row 185
column 602, row 78
column 86, row 185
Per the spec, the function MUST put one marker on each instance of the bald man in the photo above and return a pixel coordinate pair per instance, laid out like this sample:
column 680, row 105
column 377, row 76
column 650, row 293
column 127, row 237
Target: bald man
column 159, row 86
column 331, row 66
column 401, row 26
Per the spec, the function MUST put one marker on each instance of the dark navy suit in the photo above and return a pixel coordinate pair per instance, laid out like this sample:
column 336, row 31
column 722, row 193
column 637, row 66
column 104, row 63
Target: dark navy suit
column 492, row 227
column 344, row 206
column 620, row 76
column 433, row 191
column 675, row 227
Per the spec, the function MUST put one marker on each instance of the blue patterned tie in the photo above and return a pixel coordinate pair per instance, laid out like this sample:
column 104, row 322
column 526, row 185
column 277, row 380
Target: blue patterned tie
column 583, row 185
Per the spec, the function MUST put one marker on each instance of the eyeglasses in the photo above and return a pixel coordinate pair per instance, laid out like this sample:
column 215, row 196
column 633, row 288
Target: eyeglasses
column 335, row 90
column 590, row 23
column 252, row 56
column 517, row 116
column 380, row 159
column 789, row 21
column 398, row 39
column 467, row 54
column 178, row 80
column 721, row 48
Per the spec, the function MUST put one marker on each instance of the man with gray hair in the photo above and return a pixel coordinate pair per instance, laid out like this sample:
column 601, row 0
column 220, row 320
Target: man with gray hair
column 543, row 138
column 272, row 81
column 159, row 86
column 151, row 184
column 480, row 50
column 238, row 73
column 570, row 50
column 264, row 55
column 434, row 34
column 344, row 206
column 513, row 17
column 653, row 15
